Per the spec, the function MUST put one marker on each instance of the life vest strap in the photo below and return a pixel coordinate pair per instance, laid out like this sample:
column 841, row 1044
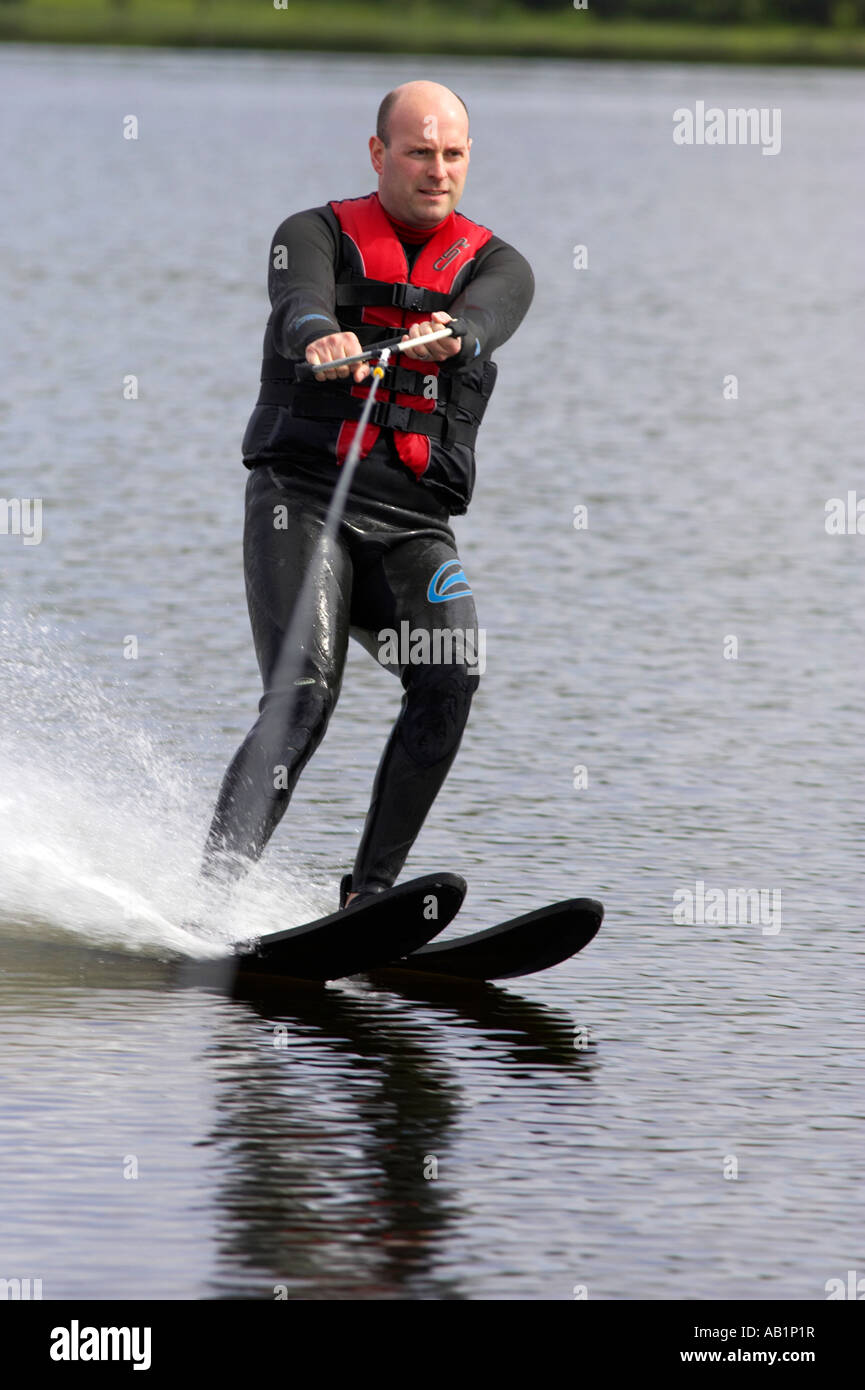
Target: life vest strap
column 278, row 381
column 314, row 403
column 361, row 291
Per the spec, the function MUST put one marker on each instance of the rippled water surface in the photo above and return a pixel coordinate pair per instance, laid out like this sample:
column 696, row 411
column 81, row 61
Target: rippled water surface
column 677, row 1113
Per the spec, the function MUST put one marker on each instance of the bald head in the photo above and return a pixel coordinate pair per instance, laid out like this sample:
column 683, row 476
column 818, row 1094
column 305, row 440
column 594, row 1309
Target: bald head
column 425, row 93
column 421, row 152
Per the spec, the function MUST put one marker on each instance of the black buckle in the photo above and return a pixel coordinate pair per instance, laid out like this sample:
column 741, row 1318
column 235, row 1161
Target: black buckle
column 394, row 417
column 411, row 297
column 404, row 380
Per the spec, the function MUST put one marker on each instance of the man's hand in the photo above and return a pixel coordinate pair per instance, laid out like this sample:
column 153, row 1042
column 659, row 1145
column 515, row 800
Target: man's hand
column 336, row 345
column 330, row 349
column 438, row 351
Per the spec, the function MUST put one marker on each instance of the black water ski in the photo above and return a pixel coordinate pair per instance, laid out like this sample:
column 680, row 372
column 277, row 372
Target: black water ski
column 358, row 938
column 521, row 946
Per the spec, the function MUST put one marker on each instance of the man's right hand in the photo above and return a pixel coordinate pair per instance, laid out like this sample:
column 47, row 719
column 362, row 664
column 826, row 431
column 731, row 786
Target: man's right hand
column 330, row 349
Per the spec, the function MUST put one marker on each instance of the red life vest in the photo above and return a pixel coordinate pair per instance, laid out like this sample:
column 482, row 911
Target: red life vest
column 438, row 263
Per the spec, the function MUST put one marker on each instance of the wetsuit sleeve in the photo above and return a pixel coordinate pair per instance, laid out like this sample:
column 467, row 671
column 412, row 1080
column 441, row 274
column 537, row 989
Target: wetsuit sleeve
column 301, row 283
column 494, row 302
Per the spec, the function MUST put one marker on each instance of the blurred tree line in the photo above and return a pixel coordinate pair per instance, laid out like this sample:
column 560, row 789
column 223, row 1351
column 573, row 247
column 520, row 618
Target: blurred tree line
column 836, row 12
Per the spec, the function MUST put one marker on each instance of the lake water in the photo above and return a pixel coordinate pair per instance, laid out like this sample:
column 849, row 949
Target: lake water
column 676, row 1113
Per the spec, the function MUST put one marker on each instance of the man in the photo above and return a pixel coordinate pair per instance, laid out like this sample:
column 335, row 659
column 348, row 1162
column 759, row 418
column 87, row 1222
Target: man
column 341, row 278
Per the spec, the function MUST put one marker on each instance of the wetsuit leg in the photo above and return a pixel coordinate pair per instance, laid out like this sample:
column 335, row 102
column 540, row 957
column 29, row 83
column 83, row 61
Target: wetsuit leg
column 439, row 680
column 282, row 536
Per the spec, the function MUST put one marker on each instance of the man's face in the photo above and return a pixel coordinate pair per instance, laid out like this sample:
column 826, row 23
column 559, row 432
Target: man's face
column 422, row 171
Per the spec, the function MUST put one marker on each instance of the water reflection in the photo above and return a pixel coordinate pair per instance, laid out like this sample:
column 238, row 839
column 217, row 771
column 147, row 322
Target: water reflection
column 353, row 1200
column 332, row 1113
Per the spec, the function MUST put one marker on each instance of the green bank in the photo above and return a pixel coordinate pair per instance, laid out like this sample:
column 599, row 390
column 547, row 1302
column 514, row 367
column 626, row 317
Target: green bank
column 476, row 28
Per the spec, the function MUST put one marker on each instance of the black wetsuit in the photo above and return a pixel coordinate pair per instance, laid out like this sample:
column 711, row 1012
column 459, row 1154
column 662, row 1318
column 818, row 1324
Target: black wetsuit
column 393, row 540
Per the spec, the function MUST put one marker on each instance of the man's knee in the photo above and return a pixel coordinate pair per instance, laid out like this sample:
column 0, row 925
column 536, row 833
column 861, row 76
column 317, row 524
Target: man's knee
column 304, row 711
column 438, row 700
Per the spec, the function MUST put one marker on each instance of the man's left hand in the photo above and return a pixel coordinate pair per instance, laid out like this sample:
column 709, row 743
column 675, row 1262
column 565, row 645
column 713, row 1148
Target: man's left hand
column 438, row 351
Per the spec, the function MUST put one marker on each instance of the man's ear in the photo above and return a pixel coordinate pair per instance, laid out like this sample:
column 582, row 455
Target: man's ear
column 376, row 150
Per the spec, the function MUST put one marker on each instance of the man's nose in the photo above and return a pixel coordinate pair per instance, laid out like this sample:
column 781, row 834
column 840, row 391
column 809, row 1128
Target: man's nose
column 439, row 168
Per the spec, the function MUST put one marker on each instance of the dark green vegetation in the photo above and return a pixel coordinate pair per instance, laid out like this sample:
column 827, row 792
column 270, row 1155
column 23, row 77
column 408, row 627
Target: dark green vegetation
column 763, row 31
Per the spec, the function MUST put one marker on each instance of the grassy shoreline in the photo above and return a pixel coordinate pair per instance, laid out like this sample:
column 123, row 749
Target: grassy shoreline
column 419, row 27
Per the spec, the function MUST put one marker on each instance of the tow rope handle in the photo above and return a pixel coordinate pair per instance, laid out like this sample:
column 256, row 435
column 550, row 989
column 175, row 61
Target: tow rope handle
column 305, row 371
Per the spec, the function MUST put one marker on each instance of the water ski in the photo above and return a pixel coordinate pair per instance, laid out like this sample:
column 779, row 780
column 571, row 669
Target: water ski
column 522, row 946
column 360, row 937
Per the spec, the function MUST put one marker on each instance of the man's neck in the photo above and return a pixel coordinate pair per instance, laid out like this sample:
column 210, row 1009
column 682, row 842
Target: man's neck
column 406, row 232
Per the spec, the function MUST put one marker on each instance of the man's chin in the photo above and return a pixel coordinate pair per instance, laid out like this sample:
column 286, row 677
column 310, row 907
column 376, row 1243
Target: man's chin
column 431, row 210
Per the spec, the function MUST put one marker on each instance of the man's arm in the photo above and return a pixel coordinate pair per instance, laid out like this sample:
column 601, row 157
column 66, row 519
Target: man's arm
column 494, row 302
column 303, row 293
column 300, row 282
